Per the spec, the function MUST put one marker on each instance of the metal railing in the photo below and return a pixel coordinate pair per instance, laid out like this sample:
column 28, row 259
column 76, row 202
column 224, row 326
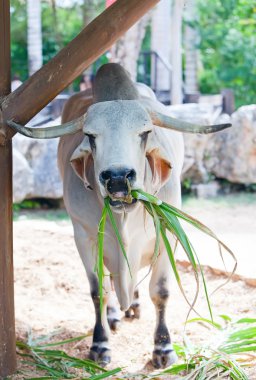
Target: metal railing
column 148, row 72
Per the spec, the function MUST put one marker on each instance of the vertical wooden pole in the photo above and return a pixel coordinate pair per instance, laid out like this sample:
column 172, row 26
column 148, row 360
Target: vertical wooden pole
column 7, row 322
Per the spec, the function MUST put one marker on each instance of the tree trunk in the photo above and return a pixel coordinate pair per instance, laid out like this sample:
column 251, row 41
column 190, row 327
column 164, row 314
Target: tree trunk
column 127, row 48
column 191, row 54
column 176, row 52
column 34, row 37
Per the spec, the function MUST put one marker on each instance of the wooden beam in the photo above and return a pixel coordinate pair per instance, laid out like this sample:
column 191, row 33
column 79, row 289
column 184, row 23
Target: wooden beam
column 72, row 60
column 7, row 324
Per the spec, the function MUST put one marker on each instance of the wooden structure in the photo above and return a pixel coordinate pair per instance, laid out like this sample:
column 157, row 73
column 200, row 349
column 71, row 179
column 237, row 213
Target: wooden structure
column 22, row 105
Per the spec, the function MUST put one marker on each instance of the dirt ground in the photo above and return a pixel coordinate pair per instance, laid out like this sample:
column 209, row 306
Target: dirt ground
column 51, row 288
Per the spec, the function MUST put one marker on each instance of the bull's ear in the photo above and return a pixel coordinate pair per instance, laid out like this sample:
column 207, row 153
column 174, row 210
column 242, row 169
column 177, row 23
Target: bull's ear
column 159, row 163
column 81, row 160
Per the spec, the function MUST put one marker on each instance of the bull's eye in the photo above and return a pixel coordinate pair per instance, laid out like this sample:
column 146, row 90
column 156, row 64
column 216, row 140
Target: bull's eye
column 144, row 136
column 91, row 140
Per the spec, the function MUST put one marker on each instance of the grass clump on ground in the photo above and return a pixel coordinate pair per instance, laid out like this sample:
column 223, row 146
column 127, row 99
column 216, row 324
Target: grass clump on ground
column 51, row 363
column 231, row 347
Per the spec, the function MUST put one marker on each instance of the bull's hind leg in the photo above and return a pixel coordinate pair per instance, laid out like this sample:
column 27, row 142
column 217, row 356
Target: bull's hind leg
column 134, row 309
column 113, row 312
column 163, row 354
column 100, row 351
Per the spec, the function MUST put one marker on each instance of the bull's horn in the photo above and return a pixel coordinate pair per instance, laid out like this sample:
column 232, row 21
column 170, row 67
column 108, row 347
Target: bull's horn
column 72, row 126
column 165, row 121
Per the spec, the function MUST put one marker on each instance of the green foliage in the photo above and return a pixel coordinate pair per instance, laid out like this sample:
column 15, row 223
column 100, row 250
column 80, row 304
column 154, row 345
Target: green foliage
column 27, row 204
column 227, row 47
column 19, row 39
column 60, row 24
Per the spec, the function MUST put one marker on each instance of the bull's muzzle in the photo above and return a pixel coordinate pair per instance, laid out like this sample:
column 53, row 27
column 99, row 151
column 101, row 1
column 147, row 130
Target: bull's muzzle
column 118, row 182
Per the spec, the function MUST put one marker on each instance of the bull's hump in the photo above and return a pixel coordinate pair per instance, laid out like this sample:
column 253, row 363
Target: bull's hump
column 112, row 82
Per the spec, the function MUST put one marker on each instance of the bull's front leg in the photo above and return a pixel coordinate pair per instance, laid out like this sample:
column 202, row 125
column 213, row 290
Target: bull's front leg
column 100, row 351
column 163, row 354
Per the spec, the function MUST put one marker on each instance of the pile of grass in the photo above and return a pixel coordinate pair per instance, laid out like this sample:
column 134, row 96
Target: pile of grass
column 232, row 346
column 51, row 363
column 166, row 219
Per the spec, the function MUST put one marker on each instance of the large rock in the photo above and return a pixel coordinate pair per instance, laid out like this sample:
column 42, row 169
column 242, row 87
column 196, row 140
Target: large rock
column 43, row 160
column 40, row 157
column 231, row 154
column 23, row 182
column 204, row 114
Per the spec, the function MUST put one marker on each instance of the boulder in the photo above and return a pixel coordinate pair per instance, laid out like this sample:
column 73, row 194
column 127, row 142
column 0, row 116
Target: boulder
column 23, row 180
column 206, row 190
column 231, row 154
column 194, row 168
column 47, row 181
column 41, row 158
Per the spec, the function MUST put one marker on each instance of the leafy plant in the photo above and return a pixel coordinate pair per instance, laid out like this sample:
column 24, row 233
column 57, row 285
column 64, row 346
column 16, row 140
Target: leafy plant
column 227, row 45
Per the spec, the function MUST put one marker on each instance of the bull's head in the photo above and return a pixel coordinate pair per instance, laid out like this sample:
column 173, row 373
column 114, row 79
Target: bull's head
column 120, row 138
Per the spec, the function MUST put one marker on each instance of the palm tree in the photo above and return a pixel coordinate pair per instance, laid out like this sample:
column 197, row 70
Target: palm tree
column 191, row 54
column 176, row 51
column 34, row 36
column 161, row 44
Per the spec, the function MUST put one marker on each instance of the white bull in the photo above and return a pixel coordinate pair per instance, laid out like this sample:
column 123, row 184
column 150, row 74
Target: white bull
column 120, row 146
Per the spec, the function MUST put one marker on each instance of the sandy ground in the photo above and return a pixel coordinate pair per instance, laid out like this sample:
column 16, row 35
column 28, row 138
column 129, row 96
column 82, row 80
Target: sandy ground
column 51, row 288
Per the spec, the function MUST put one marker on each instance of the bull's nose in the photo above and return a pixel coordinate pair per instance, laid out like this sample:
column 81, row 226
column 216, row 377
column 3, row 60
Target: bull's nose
column 116, row 180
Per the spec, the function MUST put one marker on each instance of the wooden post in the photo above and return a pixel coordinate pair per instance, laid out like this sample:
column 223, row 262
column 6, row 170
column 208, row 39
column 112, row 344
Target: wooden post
column 71, row 61
column 7, row 324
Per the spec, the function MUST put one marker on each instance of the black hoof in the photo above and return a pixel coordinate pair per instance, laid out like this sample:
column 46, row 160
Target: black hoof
column 100, row 354
column 113, row 318
column 164, row 356
column 114, row 324
column 133, row 311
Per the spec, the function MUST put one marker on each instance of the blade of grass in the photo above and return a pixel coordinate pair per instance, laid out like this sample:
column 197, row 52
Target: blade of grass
column 100, row 260
column 106, row 374
column 157, row 228
column 71, row 340
column 246, row 320
column 197, row 224
column 150, row 209
column 115, row 228
column 174, row 226
column 143, row 196
column 247, row 343
column 205, row 287
column 205, row 320
column 243, row 334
